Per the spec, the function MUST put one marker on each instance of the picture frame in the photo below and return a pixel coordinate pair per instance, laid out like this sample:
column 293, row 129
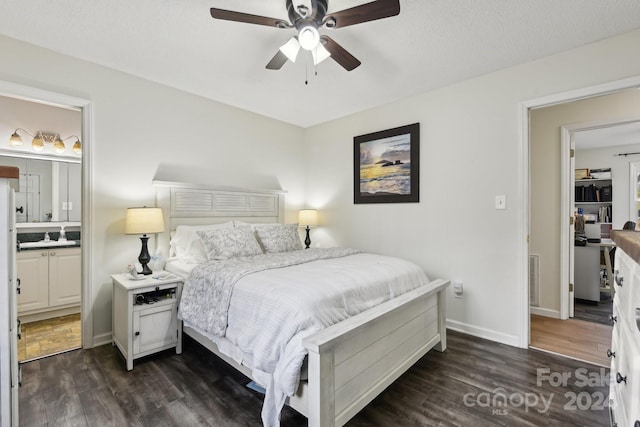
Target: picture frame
column 581, row 174
column 386, row 166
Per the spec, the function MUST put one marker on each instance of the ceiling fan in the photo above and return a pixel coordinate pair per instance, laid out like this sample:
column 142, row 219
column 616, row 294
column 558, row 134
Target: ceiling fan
column 307, row 16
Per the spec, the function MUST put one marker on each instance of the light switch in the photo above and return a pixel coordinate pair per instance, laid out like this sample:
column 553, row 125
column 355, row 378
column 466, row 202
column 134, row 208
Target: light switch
column 501, row 202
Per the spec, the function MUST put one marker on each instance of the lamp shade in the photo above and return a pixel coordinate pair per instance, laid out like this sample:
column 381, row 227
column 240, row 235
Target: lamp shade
column 144, row 220
column 15, row 140
column 308, row 217
column 291, row 49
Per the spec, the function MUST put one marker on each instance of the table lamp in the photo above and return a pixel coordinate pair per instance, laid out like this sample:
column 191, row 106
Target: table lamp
column 142, row 221
column 308, row 218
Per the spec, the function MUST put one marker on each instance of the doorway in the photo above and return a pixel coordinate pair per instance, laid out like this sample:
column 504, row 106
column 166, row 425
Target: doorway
column 40, row 96
column 547, row 241
column 48, row 154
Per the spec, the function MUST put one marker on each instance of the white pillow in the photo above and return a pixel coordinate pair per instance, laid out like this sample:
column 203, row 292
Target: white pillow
column 188, row 246
column 225, row 243
column 278, row 237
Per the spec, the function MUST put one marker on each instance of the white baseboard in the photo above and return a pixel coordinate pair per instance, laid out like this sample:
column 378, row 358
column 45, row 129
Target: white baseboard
column 102, row 339
column 500, row 337
column 544, row 312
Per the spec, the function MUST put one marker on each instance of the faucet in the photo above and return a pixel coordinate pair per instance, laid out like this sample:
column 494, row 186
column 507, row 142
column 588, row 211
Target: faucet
column 62, row 236
column 47, row 238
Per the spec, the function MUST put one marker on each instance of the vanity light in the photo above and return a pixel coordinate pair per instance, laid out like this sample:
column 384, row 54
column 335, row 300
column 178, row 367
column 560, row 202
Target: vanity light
column 15, row 140
column 41, row 138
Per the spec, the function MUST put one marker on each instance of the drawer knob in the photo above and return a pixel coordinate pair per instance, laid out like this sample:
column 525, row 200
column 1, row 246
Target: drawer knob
column 620, row 378
column 613, row 318
column 138, row 333
column 611, row 354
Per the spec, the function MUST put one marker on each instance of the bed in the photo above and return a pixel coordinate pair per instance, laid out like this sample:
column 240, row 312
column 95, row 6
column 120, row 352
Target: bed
column 346, row 364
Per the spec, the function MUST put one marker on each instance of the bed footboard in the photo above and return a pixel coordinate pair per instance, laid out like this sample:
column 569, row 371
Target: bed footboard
column 351, row 362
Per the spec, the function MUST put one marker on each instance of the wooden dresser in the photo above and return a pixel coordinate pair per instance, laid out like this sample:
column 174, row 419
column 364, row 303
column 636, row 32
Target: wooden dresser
column 624, row 392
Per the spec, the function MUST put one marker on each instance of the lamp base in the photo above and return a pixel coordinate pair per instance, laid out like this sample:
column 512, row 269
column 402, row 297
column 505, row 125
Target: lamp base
column 144, row 256
column 307, row 240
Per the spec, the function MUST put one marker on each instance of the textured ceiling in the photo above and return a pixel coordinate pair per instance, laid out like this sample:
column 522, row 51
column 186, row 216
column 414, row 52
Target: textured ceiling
column 432, row 43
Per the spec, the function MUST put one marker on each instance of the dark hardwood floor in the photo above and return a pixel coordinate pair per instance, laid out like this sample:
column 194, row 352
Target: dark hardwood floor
column 461, row 387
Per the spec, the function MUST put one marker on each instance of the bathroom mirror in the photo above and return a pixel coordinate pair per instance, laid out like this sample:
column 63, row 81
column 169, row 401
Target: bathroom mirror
column 49, row 191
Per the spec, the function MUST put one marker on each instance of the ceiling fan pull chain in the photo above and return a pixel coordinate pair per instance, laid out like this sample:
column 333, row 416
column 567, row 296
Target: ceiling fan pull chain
column 306, row 73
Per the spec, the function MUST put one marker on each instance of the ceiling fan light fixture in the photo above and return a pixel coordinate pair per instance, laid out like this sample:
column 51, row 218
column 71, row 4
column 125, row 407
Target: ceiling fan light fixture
column 291, row 49
column 320, row 53
column 308, row 37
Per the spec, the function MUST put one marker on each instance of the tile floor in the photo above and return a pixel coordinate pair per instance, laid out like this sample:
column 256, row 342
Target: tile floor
column 47, row 337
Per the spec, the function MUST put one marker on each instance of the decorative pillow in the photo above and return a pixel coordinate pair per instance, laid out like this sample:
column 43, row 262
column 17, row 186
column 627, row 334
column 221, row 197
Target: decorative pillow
column 278, row 237
column 187, row 245
column 228, row 243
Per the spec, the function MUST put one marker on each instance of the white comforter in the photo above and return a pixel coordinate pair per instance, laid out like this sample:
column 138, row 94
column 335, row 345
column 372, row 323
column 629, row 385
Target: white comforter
column 271, row 311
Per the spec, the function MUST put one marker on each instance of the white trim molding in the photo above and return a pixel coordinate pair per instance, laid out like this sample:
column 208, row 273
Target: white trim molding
column 488, row 334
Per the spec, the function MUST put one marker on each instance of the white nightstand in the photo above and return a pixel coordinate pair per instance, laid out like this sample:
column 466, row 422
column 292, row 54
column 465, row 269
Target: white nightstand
column 145, row 317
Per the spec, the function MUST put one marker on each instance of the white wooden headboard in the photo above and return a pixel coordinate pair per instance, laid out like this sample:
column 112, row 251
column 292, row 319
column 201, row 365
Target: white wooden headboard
column 197, row 204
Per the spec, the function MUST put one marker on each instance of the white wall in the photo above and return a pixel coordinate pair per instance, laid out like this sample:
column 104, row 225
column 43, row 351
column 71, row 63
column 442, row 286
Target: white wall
column 140, row 128
column 470, row 152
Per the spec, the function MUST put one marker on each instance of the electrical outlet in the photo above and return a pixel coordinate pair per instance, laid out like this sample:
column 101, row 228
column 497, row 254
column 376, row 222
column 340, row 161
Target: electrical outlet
column 501, row 202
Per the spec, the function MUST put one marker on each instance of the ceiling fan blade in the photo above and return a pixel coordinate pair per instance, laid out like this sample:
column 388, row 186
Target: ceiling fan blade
column 339, row 54
column 378, row 9
column 277, row 61
column 230, row 15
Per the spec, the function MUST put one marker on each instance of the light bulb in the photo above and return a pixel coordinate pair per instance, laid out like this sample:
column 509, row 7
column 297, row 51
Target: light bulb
column 15, row 140
column 58, row 145
column 308, row 37
column 38, row 143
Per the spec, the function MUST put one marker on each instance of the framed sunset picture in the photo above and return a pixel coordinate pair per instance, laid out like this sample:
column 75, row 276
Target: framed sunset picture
column 386, row 166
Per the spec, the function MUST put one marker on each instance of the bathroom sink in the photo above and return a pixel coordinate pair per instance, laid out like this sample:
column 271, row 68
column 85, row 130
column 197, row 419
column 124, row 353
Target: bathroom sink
column 49, row 244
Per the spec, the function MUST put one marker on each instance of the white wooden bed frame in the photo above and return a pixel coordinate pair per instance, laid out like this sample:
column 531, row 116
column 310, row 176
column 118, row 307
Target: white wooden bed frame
column 349, row 363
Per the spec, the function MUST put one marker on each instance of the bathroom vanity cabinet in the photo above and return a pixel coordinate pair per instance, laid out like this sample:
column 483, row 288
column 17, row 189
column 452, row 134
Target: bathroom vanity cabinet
column 50, row 282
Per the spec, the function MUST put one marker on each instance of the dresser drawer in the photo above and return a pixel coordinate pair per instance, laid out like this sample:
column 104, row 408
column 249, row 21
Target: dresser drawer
column 625, row 378
column 625, row 277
